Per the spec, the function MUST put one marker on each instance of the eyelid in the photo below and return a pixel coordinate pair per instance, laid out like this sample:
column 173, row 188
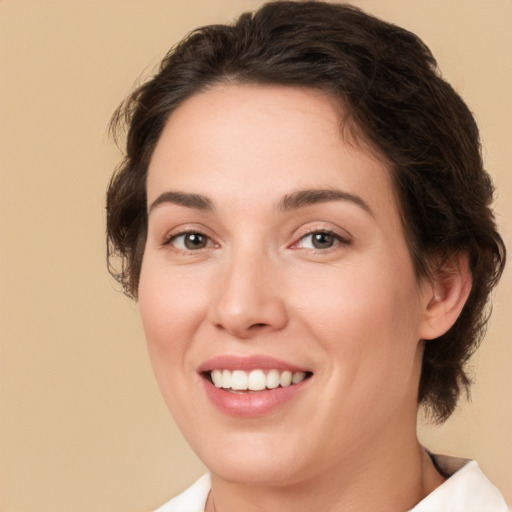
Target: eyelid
column 171, row 235
column 343, row 238
column 173, row 239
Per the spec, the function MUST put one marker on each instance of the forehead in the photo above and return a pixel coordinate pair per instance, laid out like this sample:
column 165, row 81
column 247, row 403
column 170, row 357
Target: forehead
column 255, row 141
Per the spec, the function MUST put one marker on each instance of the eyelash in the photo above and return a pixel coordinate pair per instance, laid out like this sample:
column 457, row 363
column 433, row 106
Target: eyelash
column 338, row 240
column 172, row 238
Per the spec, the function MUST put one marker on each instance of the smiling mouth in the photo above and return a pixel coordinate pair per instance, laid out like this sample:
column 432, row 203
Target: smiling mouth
column 240, row 381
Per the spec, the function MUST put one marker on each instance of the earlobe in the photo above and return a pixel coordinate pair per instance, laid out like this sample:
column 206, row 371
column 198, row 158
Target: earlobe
column 445, row 296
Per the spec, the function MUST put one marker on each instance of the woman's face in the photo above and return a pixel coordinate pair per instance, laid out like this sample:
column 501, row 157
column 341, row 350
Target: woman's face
column 275, row 251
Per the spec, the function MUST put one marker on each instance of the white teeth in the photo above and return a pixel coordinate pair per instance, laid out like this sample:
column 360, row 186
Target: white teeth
column 286, row 379
column 298, row 377
column 217, row 378
column 273, row 379
column 256, row 380
column 226, row 379
column 239, row 380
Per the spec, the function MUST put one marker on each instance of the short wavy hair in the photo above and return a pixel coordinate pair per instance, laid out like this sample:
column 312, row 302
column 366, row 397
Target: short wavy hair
column 388, row 83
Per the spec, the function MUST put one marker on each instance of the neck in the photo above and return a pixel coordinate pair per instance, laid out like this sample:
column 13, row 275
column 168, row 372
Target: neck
column 388, row 478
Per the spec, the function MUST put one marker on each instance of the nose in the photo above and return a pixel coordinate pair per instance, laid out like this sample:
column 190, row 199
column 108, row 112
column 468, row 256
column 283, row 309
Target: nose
column 249, row 297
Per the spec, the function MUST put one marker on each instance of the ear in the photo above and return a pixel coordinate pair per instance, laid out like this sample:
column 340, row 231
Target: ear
column 445, row 296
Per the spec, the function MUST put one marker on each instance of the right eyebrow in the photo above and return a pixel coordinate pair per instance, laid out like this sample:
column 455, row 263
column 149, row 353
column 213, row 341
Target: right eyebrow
column 183, row 199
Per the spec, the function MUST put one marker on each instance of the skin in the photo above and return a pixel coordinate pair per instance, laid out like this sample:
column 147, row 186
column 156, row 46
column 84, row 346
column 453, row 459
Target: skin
column 354, row 313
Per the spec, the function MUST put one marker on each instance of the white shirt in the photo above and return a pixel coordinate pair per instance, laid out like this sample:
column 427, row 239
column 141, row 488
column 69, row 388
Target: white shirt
column 466, row 490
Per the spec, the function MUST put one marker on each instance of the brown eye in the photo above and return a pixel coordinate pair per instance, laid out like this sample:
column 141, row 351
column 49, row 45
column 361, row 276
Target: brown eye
column 195, row 241
column 190, row 241
column 323, row 240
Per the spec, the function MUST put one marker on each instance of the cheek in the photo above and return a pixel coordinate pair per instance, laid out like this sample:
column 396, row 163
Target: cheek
column 171, row 310
column 358, row 300
column 366, row 323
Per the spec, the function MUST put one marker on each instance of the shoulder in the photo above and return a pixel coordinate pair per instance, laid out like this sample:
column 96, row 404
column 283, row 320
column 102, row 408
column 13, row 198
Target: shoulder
column 192, row 499
column 466, row 490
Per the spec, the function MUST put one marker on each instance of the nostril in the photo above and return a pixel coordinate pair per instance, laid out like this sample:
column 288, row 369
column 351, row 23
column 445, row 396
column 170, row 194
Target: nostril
column 258, row 326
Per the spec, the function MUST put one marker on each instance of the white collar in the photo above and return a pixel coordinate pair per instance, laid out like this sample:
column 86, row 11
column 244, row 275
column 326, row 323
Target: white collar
column 466, row 490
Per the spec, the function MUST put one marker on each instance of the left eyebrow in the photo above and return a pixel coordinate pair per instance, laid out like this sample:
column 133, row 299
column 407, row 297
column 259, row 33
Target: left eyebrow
column 303, row 198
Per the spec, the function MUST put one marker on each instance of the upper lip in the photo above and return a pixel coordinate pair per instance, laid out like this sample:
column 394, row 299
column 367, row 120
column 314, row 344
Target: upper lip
column 248, row 363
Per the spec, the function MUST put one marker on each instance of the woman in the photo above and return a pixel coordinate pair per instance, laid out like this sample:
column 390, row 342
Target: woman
column 305, row 221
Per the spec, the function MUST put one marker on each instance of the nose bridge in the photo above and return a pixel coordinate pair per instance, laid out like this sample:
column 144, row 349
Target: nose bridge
column 249, row 298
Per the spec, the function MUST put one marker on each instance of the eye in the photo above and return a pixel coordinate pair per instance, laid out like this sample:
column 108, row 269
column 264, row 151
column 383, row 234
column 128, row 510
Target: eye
column 320, row 240
column 191, row 241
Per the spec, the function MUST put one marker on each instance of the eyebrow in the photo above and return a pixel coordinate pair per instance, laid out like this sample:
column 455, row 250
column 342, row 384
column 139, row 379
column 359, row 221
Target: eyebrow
column 196, row 201
column 293, row 201
column 303, row 198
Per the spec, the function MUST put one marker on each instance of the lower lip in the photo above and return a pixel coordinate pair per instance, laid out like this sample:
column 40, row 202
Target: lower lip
column 252, row 404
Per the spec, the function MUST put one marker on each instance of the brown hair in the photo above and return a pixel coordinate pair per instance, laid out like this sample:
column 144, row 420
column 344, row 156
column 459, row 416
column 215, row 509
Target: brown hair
column 387, row 81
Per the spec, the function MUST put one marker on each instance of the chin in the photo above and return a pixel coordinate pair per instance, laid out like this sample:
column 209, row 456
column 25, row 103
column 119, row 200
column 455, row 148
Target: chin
column 249, row 458
column 267, row 473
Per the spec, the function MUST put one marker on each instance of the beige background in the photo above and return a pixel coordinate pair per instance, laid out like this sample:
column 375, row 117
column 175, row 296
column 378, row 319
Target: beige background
column 83, row 427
